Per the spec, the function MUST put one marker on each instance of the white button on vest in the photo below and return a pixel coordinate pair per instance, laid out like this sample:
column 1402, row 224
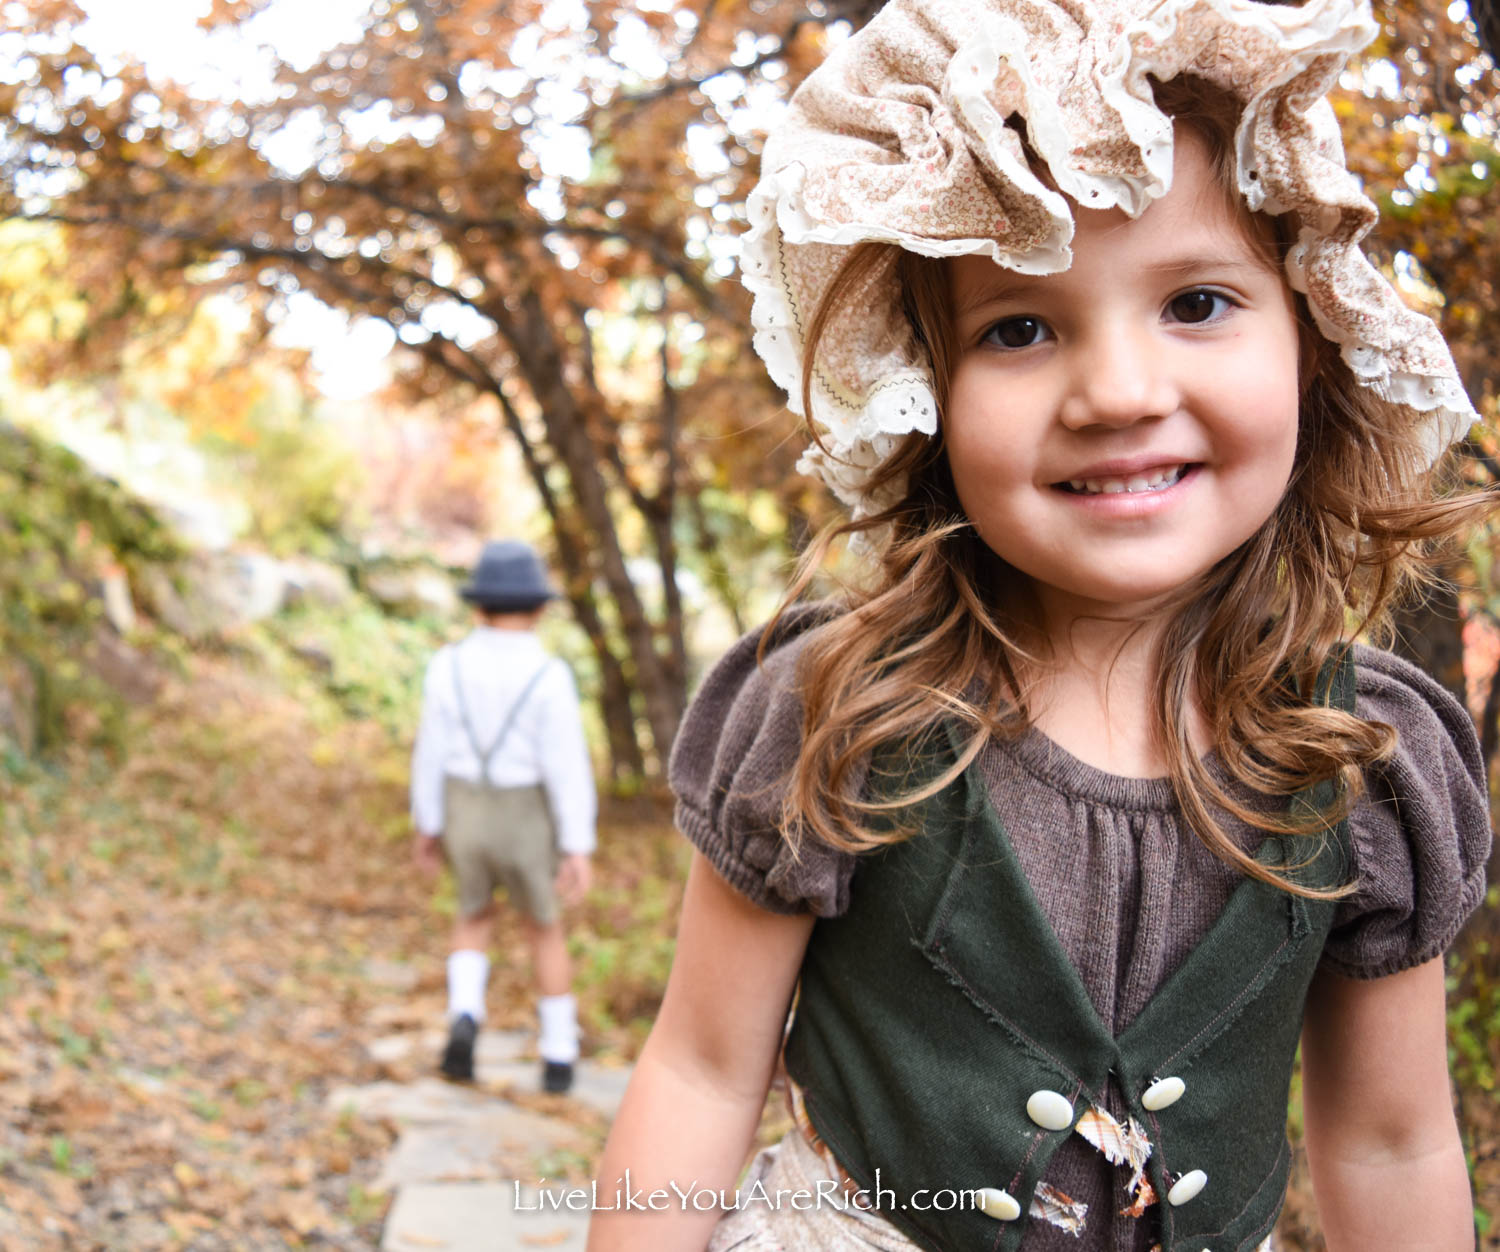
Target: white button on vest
column 1049, row 1110
column 1000, row 1205
column 1186, row 1187
column 1161, row 1094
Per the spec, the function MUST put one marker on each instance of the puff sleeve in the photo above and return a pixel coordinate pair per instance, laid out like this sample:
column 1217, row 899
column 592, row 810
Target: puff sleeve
column 1421, row 831
column 734, row 751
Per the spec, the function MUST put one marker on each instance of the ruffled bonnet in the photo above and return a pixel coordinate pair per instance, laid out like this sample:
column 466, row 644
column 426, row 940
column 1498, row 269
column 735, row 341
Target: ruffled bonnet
column 901, row 136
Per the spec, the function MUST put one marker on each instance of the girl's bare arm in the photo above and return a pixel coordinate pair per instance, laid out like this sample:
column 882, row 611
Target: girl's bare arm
column 697, row 1092
column 1387, row 1165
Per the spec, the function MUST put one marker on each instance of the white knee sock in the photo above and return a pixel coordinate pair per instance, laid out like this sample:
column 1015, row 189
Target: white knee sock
column 468, row 971
column 559, row 1041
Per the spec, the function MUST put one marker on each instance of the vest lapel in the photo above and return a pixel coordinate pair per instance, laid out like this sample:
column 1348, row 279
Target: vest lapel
column 1258, row 932
column 1017, row 973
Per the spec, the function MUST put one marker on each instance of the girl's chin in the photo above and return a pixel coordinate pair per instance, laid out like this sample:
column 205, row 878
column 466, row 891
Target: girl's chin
column 1136, row 596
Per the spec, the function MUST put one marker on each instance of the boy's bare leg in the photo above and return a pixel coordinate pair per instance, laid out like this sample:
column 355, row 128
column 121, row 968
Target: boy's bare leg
column 473, row 932
column 549, row 956
column 557, row 1011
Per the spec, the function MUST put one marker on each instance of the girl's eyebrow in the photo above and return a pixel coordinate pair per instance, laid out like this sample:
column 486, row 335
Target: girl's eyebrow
column 1196, row 262
column 1004, row 285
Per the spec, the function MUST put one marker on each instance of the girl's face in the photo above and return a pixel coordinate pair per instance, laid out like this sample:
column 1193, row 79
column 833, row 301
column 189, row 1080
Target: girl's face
column 1117, row 429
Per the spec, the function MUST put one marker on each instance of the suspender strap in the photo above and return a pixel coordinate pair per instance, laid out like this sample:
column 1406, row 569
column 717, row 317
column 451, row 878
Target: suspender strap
column 485, row 757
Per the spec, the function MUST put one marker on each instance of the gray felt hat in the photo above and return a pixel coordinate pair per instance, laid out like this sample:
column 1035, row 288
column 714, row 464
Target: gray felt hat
column 509, row 578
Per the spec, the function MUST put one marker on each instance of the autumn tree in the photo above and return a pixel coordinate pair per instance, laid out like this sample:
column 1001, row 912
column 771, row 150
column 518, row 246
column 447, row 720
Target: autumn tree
column 503, row 184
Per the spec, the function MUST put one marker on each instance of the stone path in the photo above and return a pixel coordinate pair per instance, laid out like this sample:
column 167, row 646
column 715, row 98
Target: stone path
column 467, row 1163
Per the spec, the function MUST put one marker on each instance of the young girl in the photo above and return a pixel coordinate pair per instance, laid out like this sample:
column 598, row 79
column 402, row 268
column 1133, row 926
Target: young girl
column 1070, row 821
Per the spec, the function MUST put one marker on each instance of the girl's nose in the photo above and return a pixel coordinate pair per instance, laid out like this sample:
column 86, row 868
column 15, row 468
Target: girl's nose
column 1119, row 381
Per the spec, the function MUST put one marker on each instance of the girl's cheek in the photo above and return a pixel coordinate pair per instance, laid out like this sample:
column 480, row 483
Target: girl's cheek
column 1260, row 401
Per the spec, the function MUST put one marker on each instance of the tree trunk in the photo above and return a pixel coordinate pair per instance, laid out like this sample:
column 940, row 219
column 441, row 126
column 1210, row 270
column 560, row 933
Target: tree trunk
column 662, row 512
column 619, row 725
column 541, row 363
column 720, row 580
column 626, row 759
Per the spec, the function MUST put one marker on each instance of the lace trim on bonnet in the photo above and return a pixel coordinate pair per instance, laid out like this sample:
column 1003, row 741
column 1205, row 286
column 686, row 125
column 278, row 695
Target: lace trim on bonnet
column 900, row 137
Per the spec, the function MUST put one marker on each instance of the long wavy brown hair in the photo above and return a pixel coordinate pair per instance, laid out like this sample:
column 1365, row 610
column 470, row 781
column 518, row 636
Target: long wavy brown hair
column 941, row 629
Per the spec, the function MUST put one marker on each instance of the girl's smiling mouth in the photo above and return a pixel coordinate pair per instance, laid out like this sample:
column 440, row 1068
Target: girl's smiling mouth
column 1158, row 478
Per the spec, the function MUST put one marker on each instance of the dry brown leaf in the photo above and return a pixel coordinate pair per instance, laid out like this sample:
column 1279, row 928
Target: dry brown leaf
column 86, row 1113
column 65, row 1193
column 302, row 1212
column 23, row 1202
column 185, row 1225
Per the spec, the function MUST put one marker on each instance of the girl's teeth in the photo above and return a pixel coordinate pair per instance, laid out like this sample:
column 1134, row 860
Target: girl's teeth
column 1139, row 482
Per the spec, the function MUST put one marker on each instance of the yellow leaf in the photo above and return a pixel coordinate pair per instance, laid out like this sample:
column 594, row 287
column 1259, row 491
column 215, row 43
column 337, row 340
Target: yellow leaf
column 185, row 1174
column 114, row 939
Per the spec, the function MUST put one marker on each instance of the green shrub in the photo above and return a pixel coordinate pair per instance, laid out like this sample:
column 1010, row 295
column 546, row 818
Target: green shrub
column 61, row 527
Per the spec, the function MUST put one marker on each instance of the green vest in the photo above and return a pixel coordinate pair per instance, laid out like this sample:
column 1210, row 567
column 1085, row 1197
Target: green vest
column 933, row 1010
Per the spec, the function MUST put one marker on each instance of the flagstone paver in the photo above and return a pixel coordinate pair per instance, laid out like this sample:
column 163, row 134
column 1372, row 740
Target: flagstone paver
column 477, row 1217
column 480, row 1145
column 462, row 1169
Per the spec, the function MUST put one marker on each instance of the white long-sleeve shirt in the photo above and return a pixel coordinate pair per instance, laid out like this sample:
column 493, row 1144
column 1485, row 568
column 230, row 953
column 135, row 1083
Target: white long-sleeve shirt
column 545, row 743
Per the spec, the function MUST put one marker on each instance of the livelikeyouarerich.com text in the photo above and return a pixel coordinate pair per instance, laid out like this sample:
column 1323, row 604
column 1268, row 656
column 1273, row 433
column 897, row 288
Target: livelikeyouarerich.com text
column 826, row 1193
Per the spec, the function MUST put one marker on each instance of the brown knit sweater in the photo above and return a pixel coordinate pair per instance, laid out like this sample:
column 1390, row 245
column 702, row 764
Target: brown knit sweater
column 1128, row 889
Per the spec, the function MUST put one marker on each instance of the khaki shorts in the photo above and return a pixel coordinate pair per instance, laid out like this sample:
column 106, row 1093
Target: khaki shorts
column 501, row 837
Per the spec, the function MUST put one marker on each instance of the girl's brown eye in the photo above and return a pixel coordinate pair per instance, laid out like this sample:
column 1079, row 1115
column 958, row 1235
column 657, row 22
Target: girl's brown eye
column 1195, row 306
column 1017, row 332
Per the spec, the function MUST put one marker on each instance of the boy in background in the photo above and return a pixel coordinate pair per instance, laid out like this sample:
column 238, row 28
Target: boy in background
column 502, row 786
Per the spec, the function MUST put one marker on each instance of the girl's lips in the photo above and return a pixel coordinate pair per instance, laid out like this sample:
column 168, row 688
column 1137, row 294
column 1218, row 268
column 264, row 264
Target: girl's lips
column 1131, row 504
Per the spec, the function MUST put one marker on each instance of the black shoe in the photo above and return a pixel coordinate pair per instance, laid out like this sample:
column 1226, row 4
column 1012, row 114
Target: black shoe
column 557, row 1076
column 458, row 1056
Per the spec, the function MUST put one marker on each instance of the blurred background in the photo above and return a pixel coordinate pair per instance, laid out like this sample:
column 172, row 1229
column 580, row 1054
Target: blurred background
column 299, row 303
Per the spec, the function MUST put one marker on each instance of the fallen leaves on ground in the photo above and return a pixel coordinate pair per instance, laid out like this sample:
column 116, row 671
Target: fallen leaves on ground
column 196, row 947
